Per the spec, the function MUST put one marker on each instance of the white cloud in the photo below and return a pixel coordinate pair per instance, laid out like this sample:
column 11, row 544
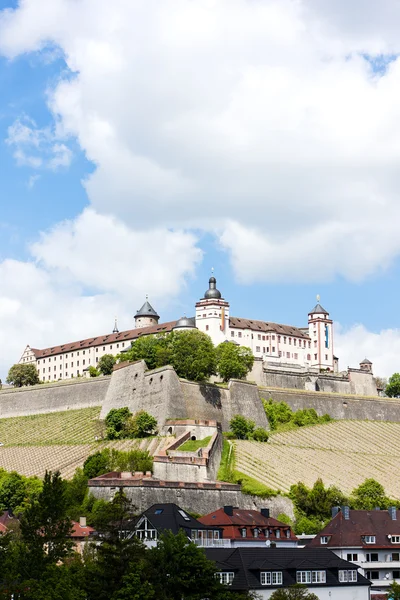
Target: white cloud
column 382, row 348
column 37, row 147
column 259, row 121
column 83, row 273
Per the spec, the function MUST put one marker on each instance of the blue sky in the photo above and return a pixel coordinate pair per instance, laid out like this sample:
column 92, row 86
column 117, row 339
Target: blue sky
column 132, row 165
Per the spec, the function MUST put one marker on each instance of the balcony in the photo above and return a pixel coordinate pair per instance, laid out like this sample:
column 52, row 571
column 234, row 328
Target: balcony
column 207, row 543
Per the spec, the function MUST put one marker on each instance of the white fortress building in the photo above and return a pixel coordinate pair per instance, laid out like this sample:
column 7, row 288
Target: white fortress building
column 283, row 346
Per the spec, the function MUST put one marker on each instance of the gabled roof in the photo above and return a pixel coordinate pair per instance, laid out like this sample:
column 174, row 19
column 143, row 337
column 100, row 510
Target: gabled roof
column 318, row 309
column 78, row 531
column 147, row 311
column 266, row 327
column 346, row 533
column 171, row 517
column 247, row 563
column 233, row 524
column 111, row 338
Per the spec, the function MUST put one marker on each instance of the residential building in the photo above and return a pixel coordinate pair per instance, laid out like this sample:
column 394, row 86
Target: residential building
column 368, row 538
column 264, row 570
column 81, row 534
column 250, row 528
column 284, row 346
column 170, row 517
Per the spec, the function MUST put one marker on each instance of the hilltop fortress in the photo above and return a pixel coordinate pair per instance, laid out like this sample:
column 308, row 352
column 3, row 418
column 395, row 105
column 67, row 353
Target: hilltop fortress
column 285, row 355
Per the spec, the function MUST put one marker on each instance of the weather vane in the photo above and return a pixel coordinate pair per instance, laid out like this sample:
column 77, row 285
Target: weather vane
column 318, row 298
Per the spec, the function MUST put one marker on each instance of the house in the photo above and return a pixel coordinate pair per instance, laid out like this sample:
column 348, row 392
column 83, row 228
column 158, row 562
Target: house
column 264, row 570
column 7, row 519
column 370, row 539
column 170, row 517
column 250, row 527
column 81, row 534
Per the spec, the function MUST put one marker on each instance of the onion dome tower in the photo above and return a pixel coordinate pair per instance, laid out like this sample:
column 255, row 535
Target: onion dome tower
column 212, row 313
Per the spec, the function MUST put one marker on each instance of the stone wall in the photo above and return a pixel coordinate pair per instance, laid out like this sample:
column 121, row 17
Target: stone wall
column 200, row 498
column 338, row 406
column 53, row 397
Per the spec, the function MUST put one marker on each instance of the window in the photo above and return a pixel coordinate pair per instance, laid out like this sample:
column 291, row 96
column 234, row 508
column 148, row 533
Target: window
column 98, row 349
column 55, row 367
column 83, row 361
column 396, row 575
column 395, row 539
column 326, row 357
column 77, row 363
column 207, row 327
column 44, row 360
column 117, row 345
column 55, row 376
column 347, row 576
column 263, row 337
column 243, row 531
column 271, row 578
column 204, row 316
column 309, row 344
column 325, row 539
column 352, row 557
column 290, row 341
column 240, row 334
column 232, row 334
column 395, row 556
column 226, row 578
column 372, row 557
column 288, row 533
column 104, row 348
column 123, row 344
column 284, row 339
column 77, row 372
column 72, row 364
column 111, row 347
column 278, row 534
column 273, row 348
column 315, row 343
column 372, row 575
column 184, row 515
column 264, row 349
column 308, row 356
column 294, row 342
column 97, row 359
column 66, row 365
column 60, row 375
column 257, row 348
column 279, row 338
column 84, row 351
column 49, row 369
column 315, row 356
column 296, row 356
column 259, row 337
column 311, row 576
column 273, row 337
column 280, row 354
column 158, row 511
column 369, row 539
column 287, row 354
column 255, row 532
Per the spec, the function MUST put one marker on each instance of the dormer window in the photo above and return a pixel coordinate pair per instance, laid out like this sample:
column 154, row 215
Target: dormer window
column 243, row 531
column 395, row 539
column 369, row 539
column 278, row 533
column 325, row 539
column 255, row 532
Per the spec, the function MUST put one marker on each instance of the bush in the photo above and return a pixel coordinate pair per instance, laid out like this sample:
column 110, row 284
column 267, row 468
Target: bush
column 116, row 421
column 106, row 364
column 260, row 435
column 117, row 460
column 141, row 425
column 93, row 372
column 242, row 428
column 280, row 415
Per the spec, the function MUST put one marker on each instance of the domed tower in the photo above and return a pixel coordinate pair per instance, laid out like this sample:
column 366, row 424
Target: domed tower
column 183, row 324
column 146, row 316
column 212, row 313
column 320, row 329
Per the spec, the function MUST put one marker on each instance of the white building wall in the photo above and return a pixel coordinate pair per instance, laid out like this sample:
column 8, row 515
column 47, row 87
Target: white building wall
column 321, row 333
column 329, row 593
column 385, row 565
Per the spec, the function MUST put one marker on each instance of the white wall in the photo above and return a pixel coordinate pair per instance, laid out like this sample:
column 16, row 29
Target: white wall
column 330, row 593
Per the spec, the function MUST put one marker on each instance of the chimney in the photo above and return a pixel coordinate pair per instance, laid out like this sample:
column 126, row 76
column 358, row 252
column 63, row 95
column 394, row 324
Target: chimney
column 393, row 513
column 82, row 521
column 265, row 512
column 228, row 510
column 346, row 512
column 334, row 511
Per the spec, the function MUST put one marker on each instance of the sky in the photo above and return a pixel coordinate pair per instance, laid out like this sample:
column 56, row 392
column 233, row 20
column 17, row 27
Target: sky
column 145, row 142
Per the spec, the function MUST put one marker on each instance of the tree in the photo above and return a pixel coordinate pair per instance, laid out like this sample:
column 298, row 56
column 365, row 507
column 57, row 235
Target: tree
column 106, row 364
column 192, row 355
column 93, row 372
column 153, row 349
column 233, row 362
column 97, row 464
column 294, row 592
column 316, row 503
column 20, row 375
column 369, row 495
column 141, row 425
column 116, row 421
column 241, row 427
column 393, row 387
column 394, row 591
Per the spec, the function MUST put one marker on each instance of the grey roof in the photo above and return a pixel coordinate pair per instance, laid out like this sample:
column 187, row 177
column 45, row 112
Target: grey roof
column 212, row 291
column 171, row 517
column 365, row 362
column 185, row 322
column 147, row 311
column 318, row 309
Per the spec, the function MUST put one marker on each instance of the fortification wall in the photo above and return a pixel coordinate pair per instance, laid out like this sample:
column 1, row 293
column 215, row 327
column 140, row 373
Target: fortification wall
column 53, row 397
column 338, row 406
column 200, row 498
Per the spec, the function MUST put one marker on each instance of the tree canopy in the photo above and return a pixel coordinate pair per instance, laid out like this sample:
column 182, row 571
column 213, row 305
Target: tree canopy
column 106, row 364
column 20, row 375
column 232, row 361
column 294, row 592
column 369, row 495
column 393, row 387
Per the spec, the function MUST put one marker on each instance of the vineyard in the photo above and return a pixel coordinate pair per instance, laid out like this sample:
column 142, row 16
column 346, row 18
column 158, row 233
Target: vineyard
column 59, row 441
column 342, row 453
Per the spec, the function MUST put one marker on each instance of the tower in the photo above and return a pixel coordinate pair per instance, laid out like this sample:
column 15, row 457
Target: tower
column 321, row 333
column 212, row 313
column 146, row 316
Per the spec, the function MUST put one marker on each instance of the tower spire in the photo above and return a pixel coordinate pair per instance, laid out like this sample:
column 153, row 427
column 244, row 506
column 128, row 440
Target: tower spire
column 115, row 330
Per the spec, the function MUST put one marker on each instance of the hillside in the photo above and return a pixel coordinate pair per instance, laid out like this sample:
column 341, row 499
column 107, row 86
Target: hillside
column 342, row 453
column 58, row 441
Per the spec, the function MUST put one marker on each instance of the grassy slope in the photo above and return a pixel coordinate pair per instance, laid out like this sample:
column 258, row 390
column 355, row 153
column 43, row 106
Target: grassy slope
column 193, row 445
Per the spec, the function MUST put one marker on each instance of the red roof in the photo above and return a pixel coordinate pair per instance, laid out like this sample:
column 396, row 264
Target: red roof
column 343, row 533
column 265, row 327
column 78, row 531
column 111, row 338
column 233, row 525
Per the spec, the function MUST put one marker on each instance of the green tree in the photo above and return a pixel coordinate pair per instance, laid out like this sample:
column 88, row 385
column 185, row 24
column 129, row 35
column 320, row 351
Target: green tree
column 93, row 372
column 369, row 495
column 241, row 427
column 393, row 387
column 153, row 349
column 20, row 375
column 106, row 364
column 116, row 421
column 294, row 592
column 192, row 355
column 394, row 591
column 313, row 505
column 232, row 361
column 140, row 425
column 97, row 464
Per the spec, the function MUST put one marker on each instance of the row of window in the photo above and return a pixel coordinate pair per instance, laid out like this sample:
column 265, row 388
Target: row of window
column 374, row 575
column 63, row 356
column 256, row 531
column 304, row 577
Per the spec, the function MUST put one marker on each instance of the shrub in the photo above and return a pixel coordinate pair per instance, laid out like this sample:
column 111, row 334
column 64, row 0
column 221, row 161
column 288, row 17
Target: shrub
column 93, row 372
column 106, row 364
column 140, row 425
column 260, row 435
column 117, row 460
column 115, row 421
column 242, row 428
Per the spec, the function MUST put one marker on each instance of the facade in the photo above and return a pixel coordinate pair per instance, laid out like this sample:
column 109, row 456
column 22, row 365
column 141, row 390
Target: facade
column 309, row 347
column 369, row 539
column 249, row 528
column 264, row 570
